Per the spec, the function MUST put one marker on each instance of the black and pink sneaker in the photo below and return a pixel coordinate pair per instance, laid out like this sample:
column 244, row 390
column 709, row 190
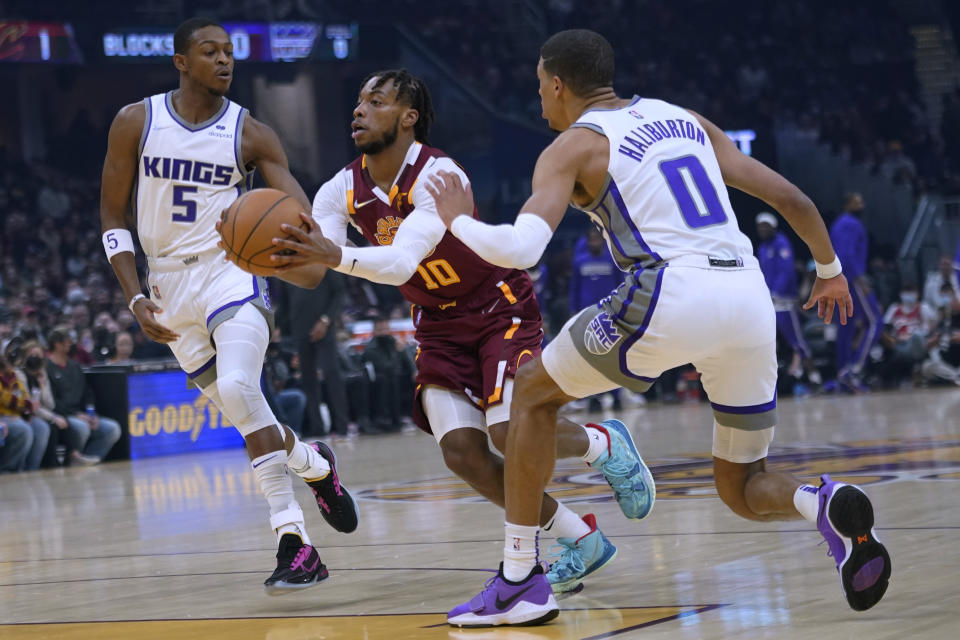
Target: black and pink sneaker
column 298, row 567
column 336, row 504
column 845, row 520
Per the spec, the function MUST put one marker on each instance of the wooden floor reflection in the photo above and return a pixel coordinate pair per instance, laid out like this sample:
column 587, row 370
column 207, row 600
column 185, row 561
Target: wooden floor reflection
column 178, row 547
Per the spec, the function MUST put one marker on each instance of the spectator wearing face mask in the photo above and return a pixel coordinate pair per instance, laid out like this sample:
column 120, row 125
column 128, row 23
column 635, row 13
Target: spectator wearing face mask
column 93, row 435
column 909, row 332
column 35, row 379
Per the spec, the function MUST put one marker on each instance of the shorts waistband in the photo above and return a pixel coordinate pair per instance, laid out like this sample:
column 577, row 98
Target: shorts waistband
column 710, row 262
column 179, row 263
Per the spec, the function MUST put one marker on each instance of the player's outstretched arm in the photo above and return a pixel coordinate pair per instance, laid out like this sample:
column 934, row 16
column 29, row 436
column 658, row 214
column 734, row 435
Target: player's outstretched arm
column 261, row 147
column 520, row 245
column 753, row 177
column 119, row 173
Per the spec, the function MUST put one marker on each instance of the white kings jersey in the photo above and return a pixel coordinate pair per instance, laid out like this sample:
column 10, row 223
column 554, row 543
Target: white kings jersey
column 664, row 196
column 187, row 174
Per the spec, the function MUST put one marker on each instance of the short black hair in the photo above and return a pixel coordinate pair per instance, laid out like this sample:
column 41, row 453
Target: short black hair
column 411, row 91
column 58, row 334
column 184, row 33
column 581, row 58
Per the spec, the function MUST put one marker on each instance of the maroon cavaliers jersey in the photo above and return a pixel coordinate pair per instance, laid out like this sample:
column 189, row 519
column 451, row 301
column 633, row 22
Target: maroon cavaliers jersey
column 452, row 271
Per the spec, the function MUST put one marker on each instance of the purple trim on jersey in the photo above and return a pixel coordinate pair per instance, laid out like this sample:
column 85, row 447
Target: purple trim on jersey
column 622, row 208
column 209, row 363
column 256, row 293
column 756, row 408
column 200, row 126
column 238, row 143
column 629, row 342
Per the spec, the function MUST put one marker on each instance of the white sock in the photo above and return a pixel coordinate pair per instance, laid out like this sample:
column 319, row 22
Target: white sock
column 270, row 470
column 566, row 524
column 599, row 443
column 304, row 461
column 520, row 549
column 807, row 502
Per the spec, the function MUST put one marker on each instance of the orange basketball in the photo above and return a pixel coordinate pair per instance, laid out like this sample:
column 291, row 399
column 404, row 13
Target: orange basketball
column 251, row 224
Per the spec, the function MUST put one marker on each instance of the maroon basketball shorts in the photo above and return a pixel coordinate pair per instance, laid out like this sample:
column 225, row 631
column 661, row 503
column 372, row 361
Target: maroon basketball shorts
column 477, row 347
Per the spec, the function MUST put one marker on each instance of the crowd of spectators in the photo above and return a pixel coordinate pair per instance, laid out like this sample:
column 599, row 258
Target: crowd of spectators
column 842, row 72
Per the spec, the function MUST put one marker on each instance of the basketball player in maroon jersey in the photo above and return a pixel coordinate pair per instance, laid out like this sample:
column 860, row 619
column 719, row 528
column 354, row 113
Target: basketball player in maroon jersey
column 475, row 323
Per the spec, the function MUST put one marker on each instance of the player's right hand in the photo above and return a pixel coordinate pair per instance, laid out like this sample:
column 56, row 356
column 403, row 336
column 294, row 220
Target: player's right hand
column 145, row 310
column 827, row 293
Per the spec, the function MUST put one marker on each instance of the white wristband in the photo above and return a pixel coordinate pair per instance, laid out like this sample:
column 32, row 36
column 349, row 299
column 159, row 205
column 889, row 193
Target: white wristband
column 134, row 300
column 827, row 271
column 117, row 241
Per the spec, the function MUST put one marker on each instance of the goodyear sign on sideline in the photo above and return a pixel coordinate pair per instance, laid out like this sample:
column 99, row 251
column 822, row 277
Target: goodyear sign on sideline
column 167, row 418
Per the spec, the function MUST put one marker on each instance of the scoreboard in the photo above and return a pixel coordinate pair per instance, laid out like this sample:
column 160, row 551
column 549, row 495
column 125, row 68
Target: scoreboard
column 23, row 41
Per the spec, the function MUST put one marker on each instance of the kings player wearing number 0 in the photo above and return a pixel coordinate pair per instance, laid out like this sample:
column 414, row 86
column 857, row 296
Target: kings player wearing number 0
column 652, row 176
column 184, row 156
column 476, row 323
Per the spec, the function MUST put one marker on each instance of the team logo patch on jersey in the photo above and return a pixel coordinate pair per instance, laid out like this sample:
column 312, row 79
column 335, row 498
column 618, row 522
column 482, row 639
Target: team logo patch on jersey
column 387, row 229
column 601, row 335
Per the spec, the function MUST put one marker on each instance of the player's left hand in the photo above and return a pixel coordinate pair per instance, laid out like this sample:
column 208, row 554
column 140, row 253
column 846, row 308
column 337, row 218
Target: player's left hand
column 826, row 293
column 452, row 198
column 302, row 247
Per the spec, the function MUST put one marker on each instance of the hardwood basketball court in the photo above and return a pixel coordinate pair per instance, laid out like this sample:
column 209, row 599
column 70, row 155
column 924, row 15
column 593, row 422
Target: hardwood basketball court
column 178, row 547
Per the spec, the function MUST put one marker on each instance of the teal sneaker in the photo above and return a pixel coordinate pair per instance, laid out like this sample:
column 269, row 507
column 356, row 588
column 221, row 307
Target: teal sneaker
column 625, row 471
column 580, row 558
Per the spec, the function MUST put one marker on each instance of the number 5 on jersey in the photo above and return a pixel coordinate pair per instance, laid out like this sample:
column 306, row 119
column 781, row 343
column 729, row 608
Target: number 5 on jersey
column 189, row 213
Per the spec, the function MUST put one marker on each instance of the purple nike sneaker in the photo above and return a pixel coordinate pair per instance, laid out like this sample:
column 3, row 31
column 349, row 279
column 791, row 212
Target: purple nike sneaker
column 521, row 604
column 845, row 520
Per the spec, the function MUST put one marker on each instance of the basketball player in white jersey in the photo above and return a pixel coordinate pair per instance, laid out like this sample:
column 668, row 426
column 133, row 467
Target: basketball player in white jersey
column 182, row 157
column 652, row 176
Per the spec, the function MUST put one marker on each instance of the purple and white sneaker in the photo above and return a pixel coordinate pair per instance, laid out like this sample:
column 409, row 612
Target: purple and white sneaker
column 845, row 520
column 521, row 604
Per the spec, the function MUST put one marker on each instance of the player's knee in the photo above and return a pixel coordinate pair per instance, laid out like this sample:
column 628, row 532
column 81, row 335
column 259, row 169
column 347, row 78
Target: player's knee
column 461, row 455
column 534, row 389
column 243, row 402
column 235, row 391
column 498, row 434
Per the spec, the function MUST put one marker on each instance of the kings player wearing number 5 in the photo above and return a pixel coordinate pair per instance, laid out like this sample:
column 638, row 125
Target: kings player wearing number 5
column 181, row 158
column 476, row 323
column 651, row 175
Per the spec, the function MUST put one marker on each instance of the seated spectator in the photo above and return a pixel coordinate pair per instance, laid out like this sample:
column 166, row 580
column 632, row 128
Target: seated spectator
column 92, row 436
column 392, row 378
column 933, row 287
column 14, row 445
column 26, row 435
column 944, row 362
column 35, row 379
column 122, row 348
column 909, row 333
column 289, row 402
